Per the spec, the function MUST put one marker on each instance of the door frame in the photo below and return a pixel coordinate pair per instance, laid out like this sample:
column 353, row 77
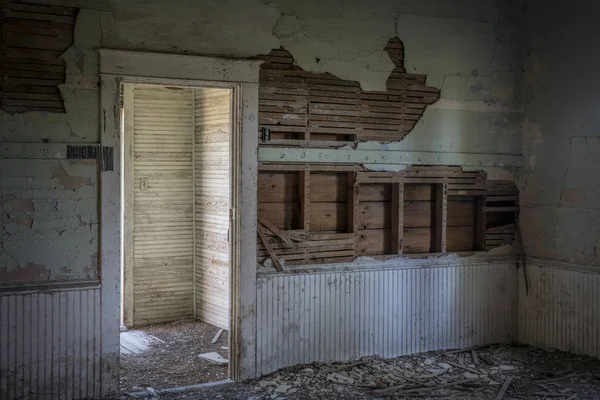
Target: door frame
column 119, row 66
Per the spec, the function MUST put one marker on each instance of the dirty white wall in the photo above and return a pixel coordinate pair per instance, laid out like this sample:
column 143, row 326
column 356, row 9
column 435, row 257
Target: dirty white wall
column 560, row 196
column 470, row 49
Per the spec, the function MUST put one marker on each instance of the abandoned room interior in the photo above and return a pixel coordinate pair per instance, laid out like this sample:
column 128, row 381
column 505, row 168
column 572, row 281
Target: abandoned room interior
column 299, row 199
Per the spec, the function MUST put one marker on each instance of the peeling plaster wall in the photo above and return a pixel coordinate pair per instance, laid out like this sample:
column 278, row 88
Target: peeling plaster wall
column 49, row 205
column 469, row 49
column 561, row 141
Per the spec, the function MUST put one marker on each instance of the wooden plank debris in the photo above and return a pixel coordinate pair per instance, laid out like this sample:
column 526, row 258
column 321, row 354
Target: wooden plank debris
column 504, row 388
column 217, row 336
column 475, row 357
column 214, row 357
column 426, row 388
column 462, row 367
column 265, row 241
column 281, row 234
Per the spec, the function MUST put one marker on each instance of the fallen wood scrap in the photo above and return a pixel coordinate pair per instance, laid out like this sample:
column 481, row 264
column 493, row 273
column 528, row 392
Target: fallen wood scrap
column 475, row 358
column 422, row 389
column 278, row 232
column 456, row 351
column 270, row 251
column 504, row 388
column 217, row 336
column 356, row 364
column 463, row 367
column 485, row 359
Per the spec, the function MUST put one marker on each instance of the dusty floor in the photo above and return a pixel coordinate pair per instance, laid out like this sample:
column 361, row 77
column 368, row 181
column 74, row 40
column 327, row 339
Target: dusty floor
column 532, row 374
column 175, row 362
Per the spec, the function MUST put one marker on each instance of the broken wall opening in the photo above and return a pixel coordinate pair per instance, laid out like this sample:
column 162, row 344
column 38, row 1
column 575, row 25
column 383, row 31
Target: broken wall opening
column 320, row 213
column 34, row 37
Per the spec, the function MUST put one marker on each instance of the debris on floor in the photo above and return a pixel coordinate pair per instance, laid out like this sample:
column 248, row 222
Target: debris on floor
column 136, row 342
column 213, row 357
column 175, row 361
column 495, row 372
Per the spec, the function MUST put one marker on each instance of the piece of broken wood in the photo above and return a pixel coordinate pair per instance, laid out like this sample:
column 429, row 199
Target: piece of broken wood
column 463, row 367
column 217, row 336
column 213, row 357
column 429, row 388
column 263, row 238
column 456, row 352
column 344, row 367
column 504, row 388
column 485, row 359
column 475, row 358
column 278, row 232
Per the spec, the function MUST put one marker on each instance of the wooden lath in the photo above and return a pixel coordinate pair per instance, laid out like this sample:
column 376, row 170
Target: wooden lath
column 32, row 39
column 302, row 108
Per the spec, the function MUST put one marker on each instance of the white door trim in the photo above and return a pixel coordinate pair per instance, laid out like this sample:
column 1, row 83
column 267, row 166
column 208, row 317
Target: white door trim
column 117, row 67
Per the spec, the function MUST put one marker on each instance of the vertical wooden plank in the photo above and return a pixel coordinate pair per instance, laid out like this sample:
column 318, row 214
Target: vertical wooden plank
column 304, row 199
column 480, row 223
column 352, row 207
column 441, row 208
column 397, row 226
column 128, row 197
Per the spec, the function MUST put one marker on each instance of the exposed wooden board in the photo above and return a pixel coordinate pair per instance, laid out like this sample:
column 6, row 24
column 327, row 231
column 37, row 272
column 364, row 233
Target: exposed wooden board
column 283, row 83
column 267, row 244
column 283, row 215
column 441, row 210
column 397, row 218
column 278, row 232
column 352, row 206
column 373, row 242
column 375, row 192
column 328, row 216
column 462, row 211
column 304, row 197
column 418, row 240
column 32, row 39
column 328, row 187
column 480, row 223
column 374, row 215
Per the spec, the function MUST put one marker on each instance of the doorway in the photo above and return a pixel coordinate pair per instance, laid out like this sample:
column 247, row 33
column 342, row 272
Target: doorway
column 176, row 265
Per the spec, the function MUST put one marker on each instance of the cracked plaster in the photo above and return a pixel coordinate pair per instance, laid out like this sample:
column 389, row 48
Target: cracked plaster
column 468, row 49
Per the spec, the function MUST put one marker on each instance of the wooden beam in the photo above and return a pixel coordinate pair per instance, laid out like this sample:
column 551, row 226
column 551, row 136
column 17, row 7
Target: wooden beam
column 265, row 241
column 441, row 214
column 397, row 225
column 480, row 223
column 278, row 232
column 304, row 199
column 352, row 209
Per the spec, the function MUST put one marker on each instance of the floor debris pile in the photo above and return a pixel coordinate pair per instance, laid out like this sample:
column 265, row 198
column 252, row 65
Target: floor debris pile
column 173, row 357
column 496, row 372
